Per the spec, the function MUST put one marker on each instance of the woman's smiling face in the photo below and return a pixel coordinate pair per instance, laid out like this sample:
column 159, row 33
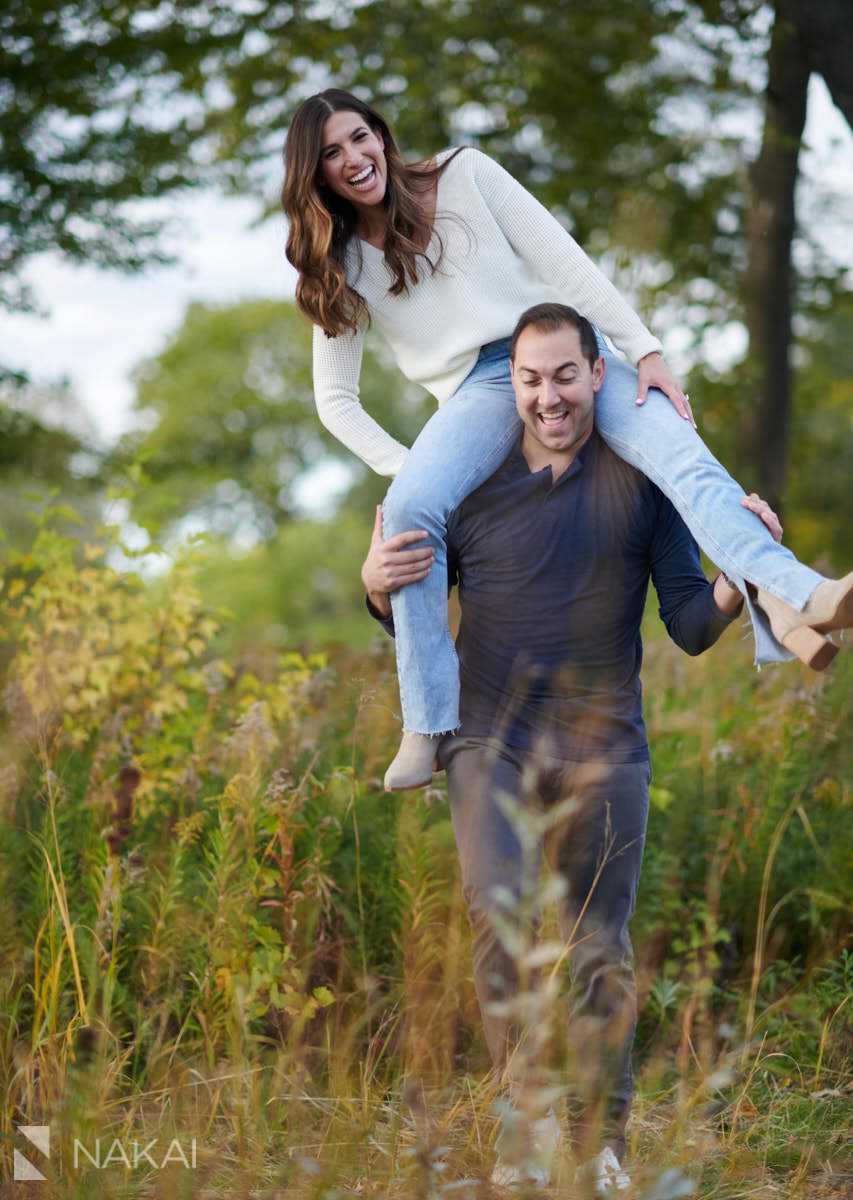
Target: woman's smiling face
column 352, row 160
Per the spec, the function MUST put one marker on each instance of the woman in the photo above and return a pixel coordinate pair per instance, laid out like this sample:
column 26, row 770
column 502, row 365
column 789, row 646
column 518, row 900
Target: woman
column 442, row 257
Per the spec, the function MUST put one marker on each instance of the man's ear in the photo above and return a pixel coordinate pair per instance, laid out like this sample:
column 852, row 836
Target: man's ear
column 598, row 369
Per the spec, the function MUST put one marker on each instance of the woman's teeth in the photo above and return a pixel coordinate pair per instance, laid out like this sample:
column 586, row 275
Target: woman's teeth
column 364, row 178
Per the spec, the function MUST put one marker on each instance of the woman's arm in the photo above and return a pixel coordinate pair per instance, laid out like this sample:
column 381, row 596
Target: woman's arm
column 337, row 367
column 554, row 257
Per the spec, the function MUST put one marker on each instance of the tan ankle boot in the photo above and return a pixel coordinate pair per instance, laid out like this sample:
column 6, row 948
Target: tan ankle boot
column 796, row 633
column 830, row 605
column 413, row 764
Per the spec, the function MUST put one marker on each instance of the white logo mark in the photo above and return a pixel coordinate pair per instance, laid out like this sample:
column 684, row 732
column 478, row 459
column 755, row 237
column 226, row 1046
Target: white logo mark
column 38, row 1136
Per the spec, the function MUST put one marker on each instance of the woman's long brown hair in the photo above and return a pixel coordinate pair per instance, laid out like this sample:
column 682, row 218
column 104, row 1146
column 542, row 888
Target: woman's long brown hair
column 323, row 223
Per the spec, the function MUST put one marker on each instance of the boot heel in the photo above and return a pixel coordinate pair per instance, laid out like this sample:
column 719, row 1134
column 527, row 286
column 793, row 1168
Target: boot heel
column 810, row 647
column 796, row 634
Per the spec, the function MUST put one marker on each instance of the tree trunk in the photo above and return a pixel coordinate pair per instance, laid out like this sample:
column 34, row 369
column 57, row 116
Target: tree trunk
column 769, row 278
column 826, row 35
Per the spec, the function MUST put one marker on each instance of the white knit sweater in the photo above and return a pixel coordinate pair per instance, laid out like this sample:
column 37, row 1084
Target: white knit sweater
column 503, row 251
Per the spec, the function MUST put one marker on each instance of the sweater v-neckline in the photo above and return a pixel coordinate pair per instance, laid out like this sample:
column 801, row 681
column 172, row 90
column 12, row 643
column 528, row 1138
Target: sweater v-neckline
column 381, row 251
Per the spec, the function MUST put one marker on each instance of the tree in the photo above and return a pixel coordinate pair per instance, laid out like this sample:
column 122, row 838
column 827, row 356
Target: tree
column 302, row 588
column 105, row 104
column 101, row 107
column 46, row 453
column 232, row 423
column 807, row 37
column 822, row 438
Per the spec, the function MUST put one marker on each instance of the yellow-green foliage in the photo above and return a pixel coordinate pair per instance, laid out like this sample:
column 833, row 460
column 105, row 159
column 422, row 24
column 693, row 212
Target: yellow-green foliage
column 121, row 723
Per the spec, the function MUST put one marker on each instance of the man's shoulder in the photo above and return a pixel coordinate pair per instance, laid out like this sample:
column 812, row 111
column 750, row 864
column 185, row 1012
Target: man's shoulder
column 633, row 501
column 653, row 511
column 607, row 461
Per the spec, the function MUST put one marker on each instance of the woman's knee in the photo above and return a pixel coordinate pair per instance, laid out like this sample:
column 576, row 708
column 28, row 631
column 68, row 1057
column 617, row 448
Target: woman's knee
column 413, row 505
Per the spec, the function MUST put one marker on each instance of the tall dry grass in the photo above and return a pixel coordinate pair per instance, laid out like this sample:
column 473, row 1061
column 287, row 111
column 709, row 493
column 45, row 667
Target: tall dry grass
column 215, row 926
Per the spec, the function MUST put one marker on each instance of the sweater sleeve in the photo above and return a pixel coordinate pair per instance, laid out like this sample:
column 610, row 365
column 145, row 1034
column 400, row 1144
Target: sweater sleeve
column 337, row 367
column 556, row 259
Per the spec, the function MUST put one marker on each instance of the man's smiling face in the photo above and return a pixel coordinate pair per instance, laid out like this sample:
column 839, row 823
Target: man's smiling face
column 555, row 390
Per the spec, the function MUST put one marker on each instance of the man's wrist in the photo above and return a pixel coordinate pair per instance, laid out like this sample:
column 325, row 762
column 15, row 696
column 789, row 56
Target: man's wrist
column 380, row 604
column 727, row 596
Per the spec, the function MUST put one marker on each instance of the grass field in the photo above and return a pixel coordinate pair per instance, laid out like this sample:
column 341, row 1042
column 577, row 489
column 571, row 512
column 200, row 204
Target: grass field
column 220, row 941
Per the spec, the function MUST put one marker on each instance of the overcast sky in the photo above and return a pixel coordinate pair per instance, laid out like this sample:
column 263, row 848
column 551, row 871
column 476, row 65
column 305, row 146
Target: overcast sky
column 102, row 323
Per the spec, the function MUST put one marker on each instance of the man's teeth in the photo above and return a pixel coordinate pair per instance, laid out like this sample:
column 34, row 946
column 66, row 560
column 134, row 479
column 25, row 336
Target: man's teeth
column 551, row 418
column 362, row 177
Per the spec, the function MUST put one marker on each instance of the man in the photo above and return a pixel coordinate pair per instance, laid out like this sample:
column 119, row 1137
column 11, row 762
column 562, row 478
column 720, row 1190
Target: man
column 552, row 556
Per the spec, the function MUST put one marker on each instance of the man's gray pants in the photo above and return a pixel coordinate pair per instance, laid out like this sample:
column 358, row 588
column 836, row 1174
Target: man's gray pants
column 588, row 819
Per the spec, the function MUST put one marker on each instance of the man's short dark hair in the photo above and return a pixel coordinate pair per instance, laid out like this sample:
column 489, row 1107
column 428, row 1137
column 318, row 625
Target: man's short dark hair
column 552, row 317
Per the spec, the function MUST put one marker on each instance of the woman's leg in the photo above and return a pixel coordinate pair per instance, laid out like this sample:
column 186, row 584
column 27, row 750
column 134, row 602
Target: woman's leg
column 457, row 450
column 665, row 447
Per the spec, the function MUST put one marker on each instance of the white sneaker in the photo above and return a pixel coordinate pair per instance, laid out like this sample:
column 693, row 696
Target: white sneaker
column 604, row 1173
column 535, row 1165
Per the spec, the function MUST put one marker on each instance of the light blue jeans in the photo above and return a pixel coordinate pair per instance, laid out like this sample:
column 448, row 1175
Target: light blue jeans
column 468, row 438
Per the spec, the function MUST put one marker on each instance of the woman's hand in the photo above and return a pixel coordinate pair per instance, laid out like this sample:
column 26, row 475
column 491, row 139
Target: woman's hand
column 763, row 510
column 654, row 372
column 390, row 566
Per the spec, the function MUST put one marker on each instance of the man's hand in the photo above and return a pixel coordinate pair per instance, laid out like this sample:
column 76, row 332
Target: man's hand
column 654, row 372
column 763, row 510
column 727, row 598
column 390, row 565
